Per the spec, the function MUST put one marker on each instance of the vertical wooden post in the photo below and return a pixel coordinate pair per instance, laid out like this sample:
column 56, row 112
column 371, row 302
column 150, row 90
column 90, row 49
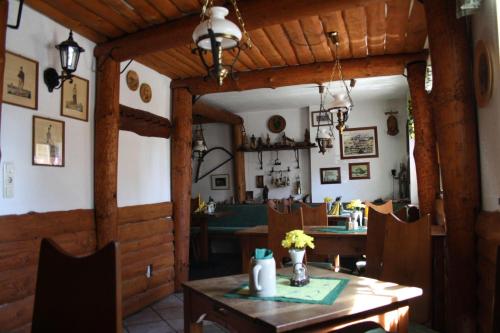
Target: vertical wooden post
column 182, row 121
column 456, row 131
column 4, row 12
column 107, row 122
column 425, row 154
column 238, row 165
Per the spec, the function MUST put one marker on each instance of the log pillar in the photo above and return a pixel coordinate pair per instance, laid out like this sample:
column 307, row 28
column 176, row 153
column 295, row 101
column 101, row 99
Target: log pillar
column 456, row 131
column 182, row 121
column 425, row 153
column 107, row 122
column 4, row 12
column 238, row 165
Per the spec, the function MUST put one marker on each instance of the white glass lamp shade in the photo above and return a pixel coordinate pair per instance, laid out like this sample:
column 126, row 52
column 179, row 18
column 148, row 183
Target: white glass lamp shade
column 339, row 101
column 226, row 32
column 69, row 52
column 323, row 134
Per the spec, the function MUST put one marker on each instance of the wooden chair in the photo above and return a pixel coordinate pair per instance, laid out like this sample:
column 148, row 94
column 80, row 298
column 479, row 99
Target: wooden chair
column 278, row 225
column 375, row 243
column 385, row 208
column 361, row 327
column 283, row 206
column 77, row 294
column 407, row 260
column 316, row 216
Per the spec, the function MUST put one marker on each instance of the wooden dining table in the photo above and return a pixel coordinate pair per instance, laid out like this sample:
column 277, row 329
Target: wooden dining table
column 363, row 299
column 326, row 242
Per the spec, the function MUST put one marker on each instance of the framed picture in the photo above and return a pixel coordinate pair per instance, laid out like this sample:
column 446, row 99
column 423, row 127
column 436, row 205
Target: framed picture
column 359, row 170
column 220, row 182
column 48, row 142
column 248, row 195
column 259, row 181
column 20, row 84
column 75, row 98
column 330, row 175
column 359, row 142
column 319, row 118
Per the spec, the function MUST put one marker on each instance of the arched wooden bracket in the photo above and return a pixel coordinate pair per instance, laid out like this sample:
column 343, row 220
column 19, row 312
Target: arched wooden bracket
column 200, row 161
column 144, row 123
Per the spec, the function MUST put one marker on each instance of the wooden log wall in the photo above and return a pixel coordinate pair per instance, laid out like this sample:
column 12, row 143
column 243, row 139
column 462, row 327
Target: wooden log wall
column 488, row 239
column 20, row 239
column 146, row 238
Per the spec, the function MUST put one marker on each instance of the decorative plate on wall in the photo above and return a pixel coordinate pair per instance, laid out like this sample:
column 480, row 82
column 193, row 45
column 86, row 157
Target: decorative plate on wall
column 132, row 80
column 146, row 93
column 483, row 74
column 276, row 124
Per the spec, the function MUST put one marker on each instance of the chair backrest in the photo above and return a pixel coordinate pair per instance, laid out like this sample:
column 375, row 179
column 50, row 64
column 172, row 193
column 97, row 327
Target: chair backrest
column 282, row 206
column 195, row 203
column 407, row 260
column 314, row 215
column 278, row 225
column 77, row 294
column 385, row 208
column 375, row 243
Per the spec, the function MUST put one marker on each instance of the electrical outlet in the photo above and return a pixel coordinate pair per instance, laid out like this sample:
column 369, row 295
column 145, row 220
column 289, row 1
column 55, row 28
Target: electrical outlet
column 8, row 180
column 149, row 271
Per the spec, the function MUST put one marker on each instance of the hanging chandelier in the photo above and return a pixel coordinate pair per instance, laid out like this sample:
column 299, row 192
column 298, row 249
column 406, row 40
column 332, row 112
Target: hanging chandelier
column 341, row 104
column 214, row 35
column 199, row 143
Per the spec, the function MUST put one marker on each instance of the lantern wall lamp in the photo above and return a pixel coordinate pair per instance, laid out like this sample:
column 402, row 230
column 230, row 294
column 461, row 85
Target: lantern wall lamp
column 69, row 52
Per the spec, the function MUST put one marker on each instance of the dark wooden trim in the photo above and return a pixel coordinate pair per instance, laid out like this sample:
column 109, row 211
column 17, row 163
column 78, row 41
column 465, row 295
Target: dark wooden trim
column 302, row 74
column 144, row 123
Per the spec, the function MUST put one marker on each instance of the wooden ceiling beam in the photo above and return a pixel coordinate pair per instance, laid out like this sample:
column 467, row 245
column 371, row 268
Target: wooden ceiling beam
column 303, row 74
column 144, row 123
column 256, row 13
column 214, row 114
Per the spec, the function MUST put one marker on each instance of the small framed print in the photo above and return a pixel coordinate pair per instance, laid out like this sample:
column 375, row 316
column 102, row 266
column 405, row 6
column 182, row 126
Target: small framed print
column 220, row 182
column 48, row 142
column 20, row 83
column 359, row 142
column 248, row 195
column 330, row 175
column 259, row 181
column 75, row 98
column 359, row 170
column 320, row 118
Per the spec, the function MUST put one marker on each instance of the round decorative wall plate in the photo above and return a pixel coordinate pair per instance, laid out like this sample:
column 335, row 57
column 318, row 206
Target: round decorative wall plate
column 276, row 124
column 483, row 74
column 132, row 80
column 146, row 93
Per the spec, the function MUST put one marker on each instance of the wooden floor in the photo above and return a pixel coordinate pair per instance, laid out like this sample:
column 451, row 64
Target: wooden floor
column 164, row 316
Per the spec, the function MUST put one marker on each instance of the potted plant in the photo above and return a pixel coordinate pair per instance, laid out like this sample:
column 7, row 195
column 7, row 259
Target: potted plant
column 356, row 206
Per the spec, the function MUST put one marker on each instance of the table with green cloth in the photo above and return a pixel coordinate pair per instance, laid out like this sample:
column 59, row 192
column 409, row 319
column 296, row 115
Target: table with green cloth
column 320, row 290
column 341, row 230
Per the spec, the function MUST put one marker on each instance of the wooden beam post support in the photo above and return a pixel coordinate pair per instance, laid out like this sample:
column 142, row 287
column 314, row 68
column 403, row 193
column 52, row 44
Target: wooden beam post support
column 215, row 114
column 144, row 123
column 456, row 131
column 182, row 120
column 425, row 153
column 4, row 12
column 238, row 165
column 107, row 122
column 302, row 74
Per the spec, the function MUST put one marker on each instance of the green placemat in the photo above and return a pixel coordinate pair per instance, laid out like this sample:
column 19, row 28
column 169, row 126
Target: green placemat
column 320, row 290
column 340, row 230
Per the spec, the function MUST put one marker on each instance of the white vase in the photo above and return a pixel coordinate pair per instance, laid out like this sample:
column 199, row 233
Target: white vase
column 297, row 255
column 355, row 218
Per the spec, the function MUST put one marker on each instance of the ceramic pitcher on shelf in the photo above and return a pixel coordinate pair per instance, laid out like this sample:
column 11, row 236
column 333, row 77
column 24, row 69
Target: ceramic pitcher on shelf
column 262, row 274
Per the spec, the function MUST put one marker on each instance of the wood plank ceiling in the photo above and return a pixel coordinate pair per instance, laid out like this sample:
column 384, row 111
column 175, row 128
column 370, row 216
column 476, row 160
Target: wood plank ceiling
column 385, row 27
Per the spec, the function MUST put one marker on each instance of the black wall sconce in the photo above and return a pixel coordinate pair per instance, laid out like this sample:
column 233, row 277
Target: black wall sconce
column 69, row 52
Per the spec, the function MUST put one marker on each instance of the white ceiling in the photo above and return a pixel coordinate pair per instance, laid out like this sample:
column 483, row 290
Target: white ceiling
column 377, row 88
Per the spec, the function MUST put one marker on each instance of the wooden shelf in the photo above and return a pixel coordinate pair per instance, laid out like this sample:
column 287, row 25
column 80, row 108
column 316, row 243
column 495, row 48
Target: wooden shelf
column 277, row 148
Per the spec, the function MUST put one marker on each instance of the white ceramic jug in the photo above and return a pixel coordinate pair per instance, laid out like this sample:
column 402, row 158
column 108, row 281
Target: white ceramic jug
column 262, row 279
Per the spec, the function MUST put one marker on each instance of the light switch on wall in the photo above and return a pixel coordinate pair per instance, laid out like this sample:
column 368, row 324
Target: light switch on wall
column 8, row 180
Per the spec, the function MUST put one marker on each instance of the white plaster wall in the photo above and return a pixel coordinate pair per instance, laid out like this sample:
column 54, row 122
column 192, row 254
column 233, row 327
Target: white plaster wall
column 296, row 123
column 392, row 151
column 485, row 27
column 144, row 163
column 216, row 135
column 42, row 188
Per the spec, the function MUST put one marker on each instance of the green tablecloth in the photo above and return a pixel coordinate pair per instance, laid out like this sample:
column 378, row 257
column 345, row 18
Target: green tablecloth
column 340, row 230
column 319, row 291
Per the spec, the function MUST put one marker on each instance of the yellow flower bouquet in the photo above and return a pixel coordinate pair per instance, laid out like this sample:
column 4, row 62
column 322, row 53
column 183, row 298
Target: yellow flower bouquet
column 297, row 239
column 355, row 205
